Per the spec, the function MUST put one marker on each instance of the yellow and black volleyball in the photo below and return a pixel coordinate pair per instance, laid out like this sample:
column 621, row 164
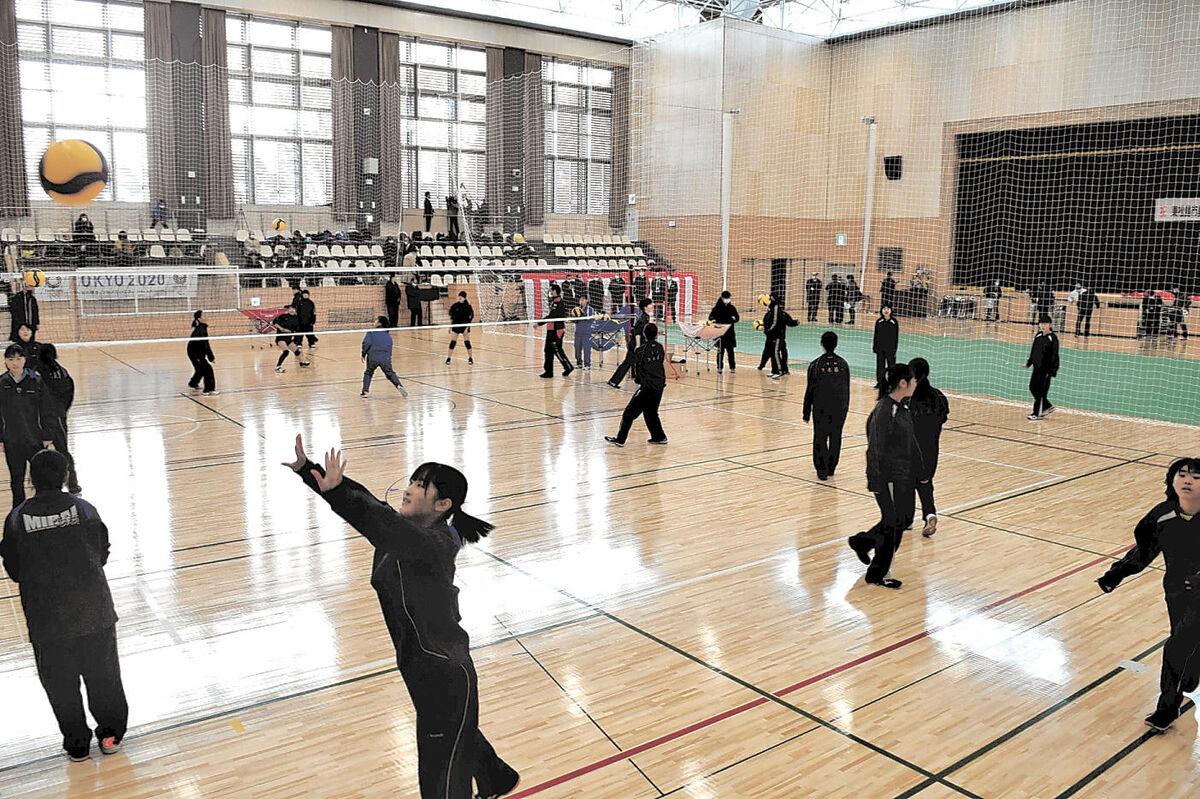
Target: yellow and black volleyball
column 73, row 172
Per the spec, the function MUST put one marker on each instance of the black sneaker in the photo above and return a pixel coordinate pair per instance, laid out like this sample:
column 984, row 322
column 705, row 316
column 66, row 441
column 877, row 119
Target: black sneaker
column 567, row 372
column 862, row 550
column 822, row 476
column 447, row 361
column 611, row 383
column 656, row 441
column 546, row 374
column 496, row 786
column 1161, row 720
column 886, row 582
column 79, row 754
column 470, row 360
column 613, row 440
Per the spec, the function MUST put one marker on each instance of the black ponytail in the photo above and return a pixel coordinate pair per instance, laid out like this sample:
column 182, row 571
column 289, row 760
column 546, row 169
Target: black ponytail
column 469, row 528
column 196, row 318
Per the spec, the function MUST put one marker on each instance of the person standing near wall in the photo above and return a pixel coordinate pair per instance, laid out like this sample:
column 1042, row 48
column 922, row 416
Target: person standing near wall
column 412, row 293
column 813, row 288
column 1043, row 359
column 885, row 343
column 392, row 294
column 726, row 313
column 428, row 210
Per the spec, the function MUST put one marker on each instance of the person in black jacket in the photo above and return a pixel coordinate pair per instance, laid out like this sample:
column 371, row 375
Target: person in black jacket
column 887, row 292
column 55, row 547
column 930, row 410
column 885, row 342
column 1086, row 302
column 1177, row 313
column 813, row 289
column 827, row 401
column 1150, row 316
column 412, row 293
column 579, row 288
column 726, row 313
column 24, row 309
column 616, row 290
column 413, row 574
column 555, row 331
column 60, row 388
column 673, row 297
column 32, row 349
column 776, row 321
column 25, row 412
column 428, row 209
column 1043, row 358
column 392, row 294
column 306, row 313
column 461, row 316
column 1172, row 528
column 893, row 463
column 658, row 294
column 633, row 340
column 835, row 300
column 199, row 352
column 854, row 296
column 649, row 374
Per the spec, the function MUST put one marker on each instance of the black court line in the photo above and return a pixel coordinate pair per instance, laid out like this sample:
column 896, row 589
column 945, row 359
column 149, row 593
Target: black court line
column 218, row 413
column 762, row 692
column 1055, row 484
column 1059, row 448
column 118, row 360
column 1075, row 439
column 998, row 528
column 275, row 700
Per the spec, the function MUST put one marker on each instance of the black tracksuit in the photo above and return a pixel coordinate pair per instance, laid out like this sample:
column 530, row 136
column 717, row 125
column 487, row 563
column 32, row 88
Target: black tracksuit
column 826, row 402
column 673, row 297
column 893, row 465
column 55, row 547
column 412, row 293
column 200, row 353
column 1177, row 310
column 776, row 321
column 930, row 410
column 555, row 331
column 813, row 288
column 25, row 412
column 887, row 294
column 854, row 296
column 632, row 342
column 651, row 377
column 1087, row 303
column 724, row 313
column 616, row 289
column 24, row 308
column 884, row 345
column 836, row 300
column 392, row 294
column 413, row 574
column 461, row 315
column 1043, row 357
column 1164, row 529
column 60, row 390
column 640, row 287
column 306, row 313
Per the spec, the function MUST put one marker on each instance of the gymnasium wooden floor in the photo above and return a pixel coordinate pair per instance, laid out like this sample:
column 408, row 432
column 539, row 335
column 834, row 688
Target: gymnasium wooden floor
column 649, row 621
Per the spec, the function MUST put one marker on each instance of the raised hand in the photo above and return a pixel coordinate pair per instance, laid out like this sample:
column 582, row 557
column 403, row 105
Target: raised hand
column 301, row 458
column 335, row 468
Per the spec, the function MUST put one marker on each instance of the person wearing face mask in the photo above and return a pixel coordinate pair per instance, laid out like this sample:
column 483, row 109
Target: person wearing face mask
column 1172, row 528
column 893, row 465
column 413, row 574
column 25, row 412
column 726, row 313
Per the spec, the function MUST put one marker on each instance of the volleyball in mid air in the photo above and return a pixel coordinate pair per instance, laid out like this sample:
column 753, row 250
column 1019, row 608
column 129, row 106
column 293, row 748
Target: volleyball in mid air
column 35, row 278
column 764, row 299
column 278, row 225
column 73, row 172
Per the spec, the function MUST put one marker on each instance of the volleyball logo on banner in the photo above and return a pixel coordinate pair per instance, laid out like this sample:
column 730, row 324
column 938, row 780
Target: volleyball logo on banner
column 1177, row 210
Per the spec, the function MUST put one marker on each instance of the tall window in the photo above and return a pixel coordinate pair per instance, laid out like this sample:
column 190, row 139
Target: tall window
column 578, row 100
column 82, row 77
column 445, row 88
column 280, row 117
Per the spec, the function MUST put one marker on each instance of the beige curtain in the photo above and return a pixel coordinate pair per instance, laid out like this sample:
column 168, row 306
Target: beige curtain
column 345, row 159
column 391, row 137
column 160, row 111
column 218, row 157
column 14, row 191
column 494, row 133
column 534, row 165
column 618, row 190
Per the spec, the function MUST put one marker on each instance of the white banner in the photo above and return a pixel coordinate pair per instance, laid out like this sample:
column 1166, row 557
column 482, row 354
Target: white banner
column 102, row 286
column 1177, row 210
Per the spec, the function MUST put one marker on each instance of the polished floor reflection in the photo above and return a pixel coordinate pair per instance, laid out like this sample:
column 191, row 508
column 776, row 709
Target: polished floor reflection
column 682, row 620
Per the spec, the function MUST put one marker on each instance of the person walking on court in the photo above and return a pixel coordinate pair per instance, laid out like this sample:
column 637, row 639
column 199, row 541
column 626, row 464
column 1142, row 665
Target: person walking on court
column 826, row 403
column 428, row 209
column 392, row 294
column 287, row 339
column 1043, row 359
column 1172, row 528
column 930, row 410
column 893, row 463
column 726, row 313
column 412, row 293
column 649, row 374
column 885, row 343
column 25, row 413
column 377, row 354
column 461, row 316
column 413, row 573
column 306, row 313
column 555, row 331
column 60, row 388
column 54, row 548
column 583, row 333
column 1086, row 302
column 813, row 289
column 854, row 296
column 199, row 352
column 776, row 321
column 23, row 307
column 632, row 341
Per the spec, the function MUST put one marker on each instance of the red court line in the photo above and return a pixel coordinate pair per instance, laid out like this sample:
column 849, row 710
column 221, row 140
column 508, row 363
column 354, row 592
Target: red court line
column 711, row 720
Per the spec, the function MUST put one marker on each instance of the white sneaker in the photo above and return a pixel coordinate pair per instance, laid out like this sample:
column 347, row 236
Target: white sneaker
column 280, row 370
column 212, row 393
column 931, row 522
column 1046, row 412
column 400, row 388
column 1033, row 417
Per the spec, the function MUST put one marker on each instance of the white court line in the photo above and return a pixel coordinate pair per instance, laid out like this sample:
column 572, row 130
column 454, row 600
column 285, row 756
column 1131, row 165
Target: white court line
column 195, row 427
column 1005, row 465
column 1001, row 495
